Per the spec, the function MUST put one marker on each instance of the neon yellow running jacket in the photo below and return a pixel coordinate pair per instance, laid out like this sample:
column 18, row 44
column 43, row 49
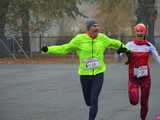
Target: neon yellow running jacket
column 88, row 49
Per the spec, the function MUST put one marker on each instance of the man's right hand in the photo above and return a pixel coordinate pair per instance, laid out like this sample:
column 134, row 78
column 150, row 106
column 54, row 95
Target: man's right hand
column 44, row 48
column 128, row 54
column 122, row 49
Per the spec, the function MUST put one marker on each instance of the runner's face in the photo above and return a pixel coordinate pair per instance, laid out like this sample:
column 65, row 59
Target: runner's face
column 140, row 36
column 94, row 29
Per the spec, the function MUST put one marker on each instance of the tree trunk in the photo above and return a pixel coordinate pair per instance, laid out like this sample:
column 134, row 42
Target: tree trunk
column 146, row 13
column 3, row 12
column 2, row 27
column 25, row 29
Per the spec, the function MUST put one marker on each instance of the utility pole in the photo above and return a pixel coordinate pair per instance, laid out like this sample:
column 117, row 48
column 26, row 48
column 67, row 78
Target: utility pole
column 146, row 13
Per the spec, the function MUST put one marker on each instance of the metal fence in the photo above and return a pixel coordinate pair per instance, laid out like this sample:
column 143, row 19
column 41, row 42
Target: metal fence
column 13, row 46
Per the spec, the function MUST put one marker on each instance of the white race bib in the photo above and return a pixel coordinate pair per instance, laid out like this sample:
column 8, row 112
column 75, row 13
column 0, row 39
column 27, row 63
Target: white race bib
column 141, row 71
column 91, row 63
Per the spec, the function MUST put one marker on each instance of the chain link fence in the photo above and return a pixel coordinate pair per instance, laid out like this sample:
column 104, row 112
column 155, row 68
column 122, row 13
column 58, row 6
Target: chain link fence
column 37, row 42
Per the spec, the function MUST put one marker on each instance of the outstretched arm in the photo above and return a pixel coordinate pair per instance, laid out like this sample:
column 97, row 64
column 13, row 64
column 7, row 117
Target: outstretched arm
column 155, row 53
column 61, row 49
column 115, row 44
column 121, row 49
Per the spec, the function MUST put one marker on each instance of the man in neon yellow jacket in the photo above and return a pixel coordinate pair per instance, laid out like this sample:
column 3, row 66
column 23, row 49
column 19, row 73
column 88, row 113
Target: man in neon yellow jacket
column 90, row 48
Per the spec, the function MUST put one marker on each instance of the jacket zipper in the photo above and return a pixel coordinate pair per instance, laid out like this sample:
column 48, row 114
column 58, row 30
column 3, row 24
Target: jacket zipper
column 92, row 57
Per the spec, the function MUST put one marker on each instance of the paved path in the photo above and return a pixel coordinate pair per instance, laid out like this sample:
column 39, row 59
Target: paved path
column 52, row 92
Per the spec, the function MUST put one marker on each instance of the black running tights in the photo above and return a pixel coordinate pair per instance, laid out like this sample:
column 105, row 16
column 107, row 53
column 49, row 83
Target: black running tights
column 91, row 87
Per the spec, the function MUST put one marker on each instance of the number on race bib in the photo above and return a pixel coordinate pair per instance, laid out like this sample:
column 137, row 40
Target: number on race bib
column 141, row 71
column 91, row 63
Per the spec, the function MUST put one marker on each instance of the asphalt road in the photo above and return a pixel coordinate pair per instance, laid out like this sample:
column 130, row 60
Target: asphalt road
column 52, row 92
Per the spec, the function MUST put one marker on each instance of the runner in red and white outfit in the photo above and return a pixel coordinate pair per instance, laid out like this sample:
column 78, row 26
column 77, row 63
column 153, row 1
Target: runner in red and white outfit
column 139, row 69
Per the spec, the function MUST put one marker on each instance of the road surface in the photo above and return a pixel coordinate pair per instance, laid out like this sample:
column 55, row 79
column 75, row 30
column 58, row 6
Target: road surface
column 52, row 92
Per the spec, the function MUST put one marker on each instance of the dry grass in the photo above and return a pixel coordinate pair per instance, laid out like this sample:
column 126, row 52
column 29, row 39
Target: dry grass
column 46, row 59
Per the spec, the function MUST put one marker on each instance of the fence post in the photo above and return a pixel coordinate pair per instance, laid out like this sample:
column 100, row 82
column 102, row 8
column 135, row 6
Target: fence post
column 27, row 57
column 9, row 51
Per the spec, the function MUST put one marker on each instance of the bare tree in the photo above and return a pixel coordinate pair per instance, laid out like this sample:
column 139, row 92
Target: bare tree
column 146, row 12
column 46, row 9
column 3, row 12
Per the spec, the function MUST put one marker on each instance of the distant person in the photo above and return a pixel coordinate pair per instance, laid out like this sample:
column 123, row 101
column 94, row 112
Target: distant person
column 139, row 70
column 90, row 48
